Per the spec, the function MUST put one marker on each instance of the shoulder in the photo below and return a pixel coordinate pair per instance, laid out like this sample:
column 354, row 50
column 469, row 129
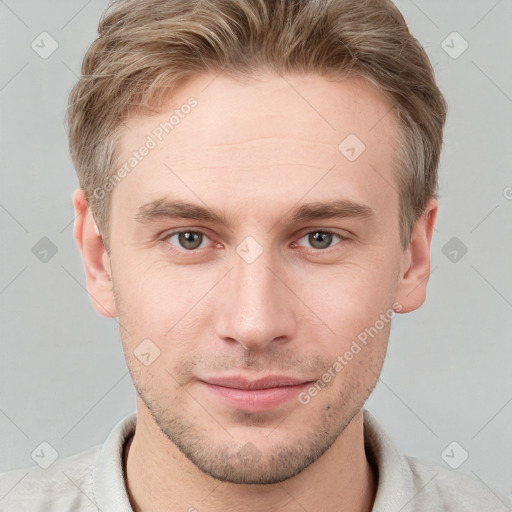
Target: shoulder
column 411, row 484
column 65, row 485
column 440, row 488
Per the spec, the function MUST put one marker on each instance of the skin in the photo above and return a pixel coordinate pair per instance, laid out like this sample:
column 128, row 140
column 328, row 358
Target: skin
column 254, row 151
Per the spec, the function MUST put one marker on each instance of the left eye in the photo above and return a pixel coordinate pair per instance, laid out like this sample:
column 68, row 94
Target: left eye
column 321, row 239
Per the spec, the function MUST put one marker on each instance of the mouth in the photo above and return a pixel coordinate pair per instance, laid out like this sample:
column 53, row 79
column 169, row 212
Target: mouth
column 254, row 395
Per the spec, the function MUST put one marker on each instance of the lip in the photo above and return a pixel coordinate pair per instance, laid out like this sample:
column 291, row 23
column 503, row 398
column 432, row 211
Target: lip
column 254, row 395
column 240, row 382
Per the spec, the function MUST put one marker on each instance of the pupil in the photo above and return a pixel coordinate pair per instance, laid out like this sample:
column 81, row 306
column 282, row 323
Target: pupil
column 190, row 238
column 321, row 238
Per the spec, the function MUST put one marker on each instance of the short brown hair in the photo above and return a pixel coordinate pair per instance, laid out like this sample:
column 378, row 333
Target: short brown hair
column 147, row 47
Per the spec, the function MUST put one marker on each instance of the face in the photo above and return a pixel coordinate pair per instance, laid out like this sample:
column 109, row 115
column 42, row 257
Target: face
column 286, row 253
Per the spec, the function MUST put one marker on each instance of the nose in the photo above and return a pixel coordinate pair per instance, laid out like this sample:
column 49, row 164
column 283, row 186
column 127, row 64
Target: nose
column 256, row 307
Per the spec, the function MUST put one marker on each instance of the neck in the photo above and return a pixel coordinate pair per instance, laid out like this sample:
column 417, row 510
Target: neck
column 160, row 478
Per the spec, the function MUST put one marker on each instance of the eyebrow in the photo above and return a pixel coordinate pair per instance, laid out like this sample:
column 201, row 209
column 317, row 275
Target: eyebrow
column 176, row 209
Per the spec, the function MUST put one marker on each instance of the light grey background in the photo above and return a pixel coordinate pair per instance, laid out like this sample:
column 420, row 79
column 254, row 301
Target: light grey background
column 447, row 376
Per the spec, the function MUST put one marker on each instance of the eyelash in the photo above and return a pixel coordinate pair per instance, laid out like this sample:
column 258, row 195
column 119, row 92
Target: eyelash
column 165, row 240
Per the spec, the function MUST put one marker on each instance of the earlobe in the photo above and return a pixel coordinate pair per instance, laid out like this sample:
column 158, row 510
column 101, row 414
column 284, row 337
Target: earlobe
column 411, row 290
column 94, row 256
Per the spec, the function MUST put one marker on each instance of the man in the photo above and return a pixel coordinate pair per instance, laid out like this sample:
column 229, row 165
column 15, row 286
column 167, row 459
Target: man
column 257, row 200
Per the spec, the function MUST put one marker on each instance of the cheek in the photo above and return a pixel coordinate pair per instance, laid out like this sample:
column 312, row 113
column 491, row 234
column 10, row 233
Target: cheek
column 349, row 298
column 356, row 306
column 149, row 297
column 161, row 318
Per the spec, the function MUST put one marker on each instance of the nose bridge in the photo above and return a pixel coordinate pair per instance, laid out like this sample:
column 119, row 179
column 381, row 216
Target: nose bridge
column 256, row 310
column 252, row 280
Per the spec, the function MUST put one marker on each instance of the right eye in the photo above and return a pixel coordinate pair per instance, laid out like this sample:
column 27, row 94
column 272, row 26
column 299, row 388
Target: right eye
column 186, row 239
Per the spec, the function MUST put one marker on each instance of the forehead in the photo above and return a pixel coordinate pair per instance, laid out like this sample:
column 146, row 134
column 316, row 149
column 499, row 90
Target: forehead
column 260, row 138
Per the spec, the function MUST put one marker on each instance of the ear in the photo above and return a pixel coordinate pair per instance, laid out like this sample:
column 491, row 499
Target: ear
column 95, row 257
column 415, row 271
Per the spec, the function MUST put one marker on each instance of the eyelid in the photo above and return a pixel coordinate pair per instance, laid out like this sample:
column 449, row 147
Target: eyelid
column 300, row 234
column 341, row 233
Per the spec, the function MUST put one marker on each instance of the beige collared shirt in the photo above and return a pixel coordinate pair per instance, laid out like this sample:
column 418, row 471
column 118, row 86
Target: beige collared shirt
column 93, row 480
